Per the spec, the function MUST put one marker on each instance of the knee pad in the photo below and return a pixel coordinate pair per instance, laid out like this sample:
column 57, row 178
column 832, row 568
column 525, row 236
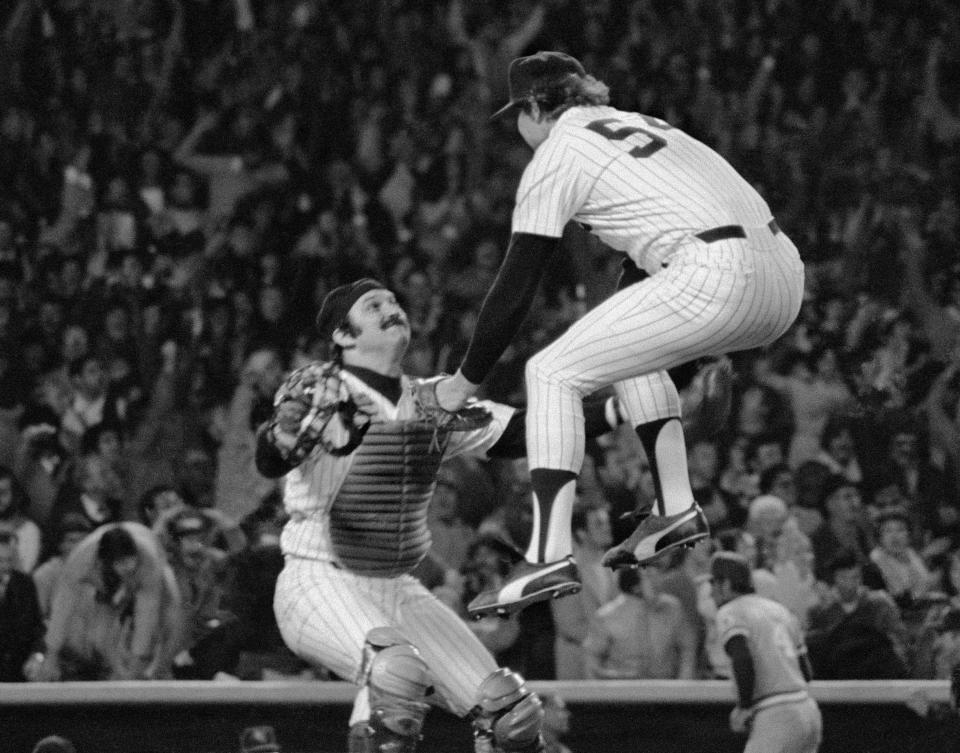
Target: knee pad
column 508, row 715
column 398, row 681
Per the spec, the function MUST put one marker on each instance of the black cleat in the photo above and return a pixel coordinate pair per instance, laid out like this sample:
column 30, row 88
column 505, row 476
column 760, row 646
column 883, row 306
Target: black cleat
column 526, row 584
column 656, row 535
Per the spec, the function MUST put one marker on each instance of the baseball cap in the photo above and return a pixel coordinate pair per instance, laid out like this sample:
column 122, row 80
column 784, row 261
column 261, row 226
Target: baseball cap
column 54, row 744
column 535, row 72
column 259, row 739
column 338, row 302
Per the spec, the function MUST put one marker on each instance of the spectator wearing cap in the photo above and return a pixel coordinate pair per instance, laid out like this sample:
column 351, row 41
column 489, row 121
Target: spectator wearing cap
column 199, row 572
column 259, row 739
column 14, row 520
column 844, row 526
column 21, row 626
column 73, row 529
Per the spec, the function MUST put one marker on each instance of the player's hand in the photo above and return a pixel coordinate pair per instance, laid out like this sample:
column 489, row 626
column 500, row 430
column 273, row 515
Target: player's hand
column 740, row 719
column 453, row 392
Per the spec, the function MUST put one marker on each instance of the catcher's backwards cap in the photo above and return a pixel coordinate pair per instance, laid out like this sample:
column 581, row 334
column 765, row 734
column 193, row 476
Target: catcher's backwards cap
column 533, row 73
column 339, row 301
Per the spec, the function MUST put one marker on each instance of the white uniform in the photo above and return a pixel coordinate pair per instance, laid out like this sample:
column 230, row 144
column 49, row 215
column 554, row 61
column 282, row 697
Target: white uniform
column 647, row 189
column 324, row 610
column 786, row 719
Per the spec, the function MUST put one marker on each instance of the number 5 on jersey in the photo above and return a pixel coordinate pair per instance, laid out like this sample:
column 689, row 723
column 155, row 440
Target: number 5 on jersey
column 656, row 143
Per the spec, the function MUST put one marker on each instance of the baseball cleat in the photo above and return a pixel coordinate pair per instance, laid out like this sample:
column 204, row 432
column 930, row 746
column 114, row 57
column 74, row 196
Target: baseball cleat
column 526, row 584
column 656, row 535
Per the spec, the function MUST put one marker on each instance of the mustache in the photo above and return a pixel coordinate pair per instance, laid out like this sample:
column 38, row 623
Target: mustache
column 394, row 319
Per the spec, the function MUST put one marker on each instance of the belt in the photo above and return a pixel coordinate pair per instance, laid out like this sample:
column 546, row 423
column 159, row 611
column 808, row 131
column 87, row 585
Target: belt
column 726, row 232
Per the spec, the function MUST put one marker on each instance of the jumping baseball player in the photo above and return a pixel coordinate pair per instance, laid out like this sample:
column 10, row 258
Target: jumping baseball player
column 359, row 453
column 769, row 661
column 708, row 271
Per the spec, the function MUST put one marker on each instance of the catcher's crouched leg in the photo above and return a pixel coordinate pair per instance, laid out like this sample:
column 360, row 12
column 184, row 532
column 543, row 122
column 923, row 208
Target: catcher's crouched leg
column 508, row 716
column 397, row 681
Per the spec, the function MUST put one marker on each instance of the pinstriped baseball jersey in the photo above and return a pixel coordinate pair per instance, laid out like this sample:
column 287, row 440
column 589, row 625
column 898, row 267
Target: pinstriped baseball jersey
column 637, row 183
column 775, row 640
column 311, row 487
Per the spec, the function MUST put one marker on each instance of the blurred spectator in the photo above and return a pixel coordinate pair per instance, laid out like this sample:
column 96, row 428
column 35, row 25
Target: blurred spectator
column 766, row 519
column 641, row 634
column 815, row 389
column 687, row 579
column 116, row 610
column 198, row 570
column 73, row 529
column 239, row 487
column 450, row 535
column 87, row 493
column 14, row 520
column 857, row 634
column 556, row 723
column 905, row 575
column 592, row 537
column 793, row 583
column 487, row 563
column 21, row 626
column 844, row 525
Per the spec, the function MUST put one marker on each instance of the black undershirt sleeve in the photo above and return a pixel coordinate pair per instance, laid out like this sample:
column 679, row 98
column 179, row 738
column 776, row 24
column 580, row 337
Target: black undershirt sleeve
column 507, row 302
column 512, row 443
column 743, row 670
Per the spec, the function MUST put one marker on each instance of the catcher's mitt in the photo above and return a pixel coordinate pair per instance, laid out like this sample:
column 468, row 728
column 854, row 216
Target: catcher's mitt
column 330, row 417
column 428, row 407
column 707, row 401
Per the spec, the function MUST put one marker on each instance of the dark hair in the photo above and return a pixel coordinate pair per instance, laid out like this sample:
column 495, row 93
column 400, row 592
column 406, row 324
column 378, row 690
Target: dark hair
column 581, row 512
column 148, row 499
column 90, row 442
column 18, row 498
column 115, row 544
column 833, row 428
column 769, row 476
column 845, row 558
column 733, row 568
column 77, row 365
column 7, row 538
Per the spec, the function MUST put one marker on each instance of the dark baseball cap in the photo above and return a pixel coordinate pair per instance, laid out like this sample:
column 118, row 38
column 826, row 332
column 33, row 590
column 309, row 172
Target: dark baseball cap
column 339, row 301
column 533, row 73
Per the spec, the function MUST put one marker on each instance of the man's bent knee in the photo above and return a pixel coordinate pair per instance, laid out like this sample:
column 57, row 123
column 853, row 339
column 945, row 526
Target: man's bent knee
column 508, row 716
column 398, row 682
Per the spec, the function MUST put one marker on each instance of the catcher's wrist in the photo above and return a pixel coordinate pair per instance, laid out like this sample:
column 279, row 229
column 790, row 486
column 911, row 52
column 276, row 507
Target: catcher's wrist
column 463, row 386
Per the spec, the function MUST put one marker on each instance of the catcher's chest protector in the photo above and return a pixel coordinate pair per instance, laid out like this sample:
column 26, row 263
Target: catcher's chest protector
column 378, row 522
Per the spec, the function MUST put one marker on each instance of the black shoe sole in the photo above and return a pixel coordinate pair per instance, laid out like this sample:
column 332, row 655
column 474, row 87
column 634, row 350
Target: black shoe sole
column 544, row 594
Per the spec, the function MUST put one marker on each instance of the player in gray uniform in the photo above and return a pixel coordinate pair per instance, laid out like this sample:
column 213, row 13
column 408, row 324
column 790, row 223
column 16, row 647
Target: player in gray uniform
column 769, row 661
column 708, row 271
column 359, row 457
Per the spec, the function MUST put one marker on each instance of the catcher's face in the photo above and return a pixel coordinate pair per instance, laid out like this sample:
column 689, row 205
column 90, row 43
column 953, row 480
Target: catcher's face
column 378, row 320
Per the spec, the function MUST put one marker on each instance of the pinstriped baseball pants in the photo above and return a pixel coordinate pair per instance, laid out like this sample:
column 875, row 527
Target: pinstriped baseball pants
column 324, row 614
column 709, row 299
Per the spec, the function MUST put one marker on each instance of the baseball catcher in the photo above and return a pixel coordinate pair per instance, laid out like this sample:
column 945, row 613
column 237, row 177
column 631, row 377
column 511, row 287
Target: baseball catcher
column 359, row 444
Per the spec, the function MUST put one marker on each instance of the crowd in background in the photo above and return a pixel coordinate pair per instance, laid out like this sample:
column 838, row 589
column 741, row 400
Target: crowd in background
column 181, row 182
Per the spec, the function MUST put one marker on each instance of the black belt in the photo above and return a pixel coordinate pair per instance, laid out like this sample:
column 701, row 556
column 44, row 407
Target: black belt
column 726, row 232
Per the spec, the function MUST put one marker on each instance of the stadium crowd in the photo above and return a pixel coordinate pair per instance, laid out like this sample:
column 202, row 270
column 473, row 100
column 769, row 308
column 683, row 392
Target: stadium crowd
column 182, row 181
